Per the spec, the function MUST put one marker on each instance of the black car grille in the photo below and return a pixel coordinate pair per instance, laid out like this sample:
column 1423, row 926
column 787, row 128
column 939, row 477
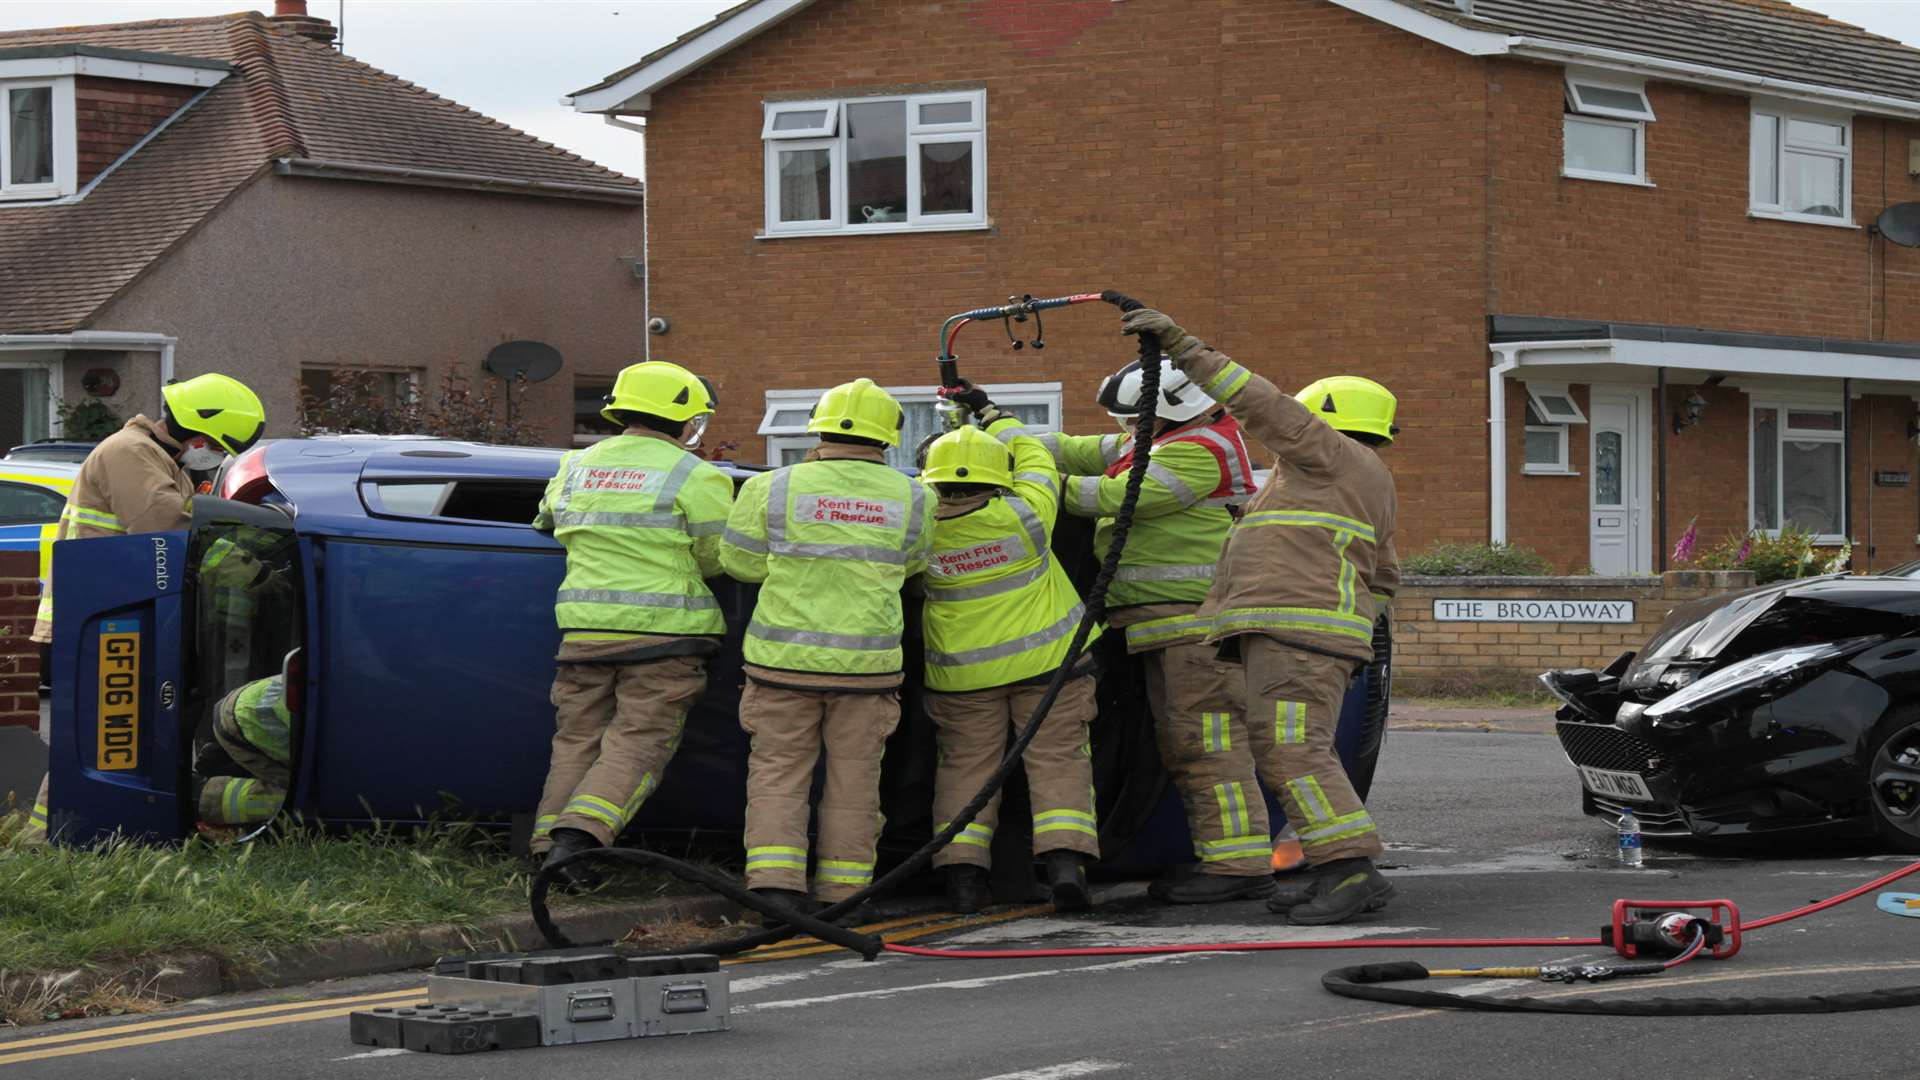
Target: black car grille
column 1603, row 746
column 1655, row 820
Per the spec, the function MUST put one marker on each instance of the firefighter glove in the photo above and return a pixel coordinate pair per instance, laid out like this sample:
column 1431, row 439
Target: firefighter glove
column 969, row 395
column 1173, row 340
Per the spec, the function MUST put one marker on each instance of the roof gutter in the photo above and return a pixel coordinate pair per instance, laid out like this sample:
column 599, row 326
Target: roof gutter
column 1725, row 78
column 326, row 169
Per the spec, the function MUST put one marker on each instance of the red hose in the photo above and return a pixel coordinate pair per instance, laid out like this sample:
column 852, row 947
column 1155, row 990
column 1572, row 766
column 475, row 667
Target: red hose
column 1373, row 943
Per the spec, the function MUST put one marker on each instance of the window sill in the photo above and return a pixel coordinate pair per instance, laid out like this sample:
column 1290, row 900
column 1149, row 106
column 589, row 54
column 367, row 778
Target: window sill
column 1542, row 470
column 1804, row 219
column 876, row 230
column 1607, row 178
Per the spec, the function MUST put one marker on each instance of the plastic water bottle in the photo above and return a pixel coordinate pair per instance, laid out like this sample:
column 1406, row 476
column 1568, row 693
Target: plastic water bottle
column 1629, row 839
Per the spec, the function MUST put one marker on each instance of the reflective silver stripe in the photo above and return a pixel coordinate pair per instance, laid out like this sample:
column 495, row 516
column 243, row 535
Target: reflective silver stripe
column 571, row 463
column 1011, row 648
column 1191, row 572
column 744, row 542
column 704, row 528
column 636, row 599
column 1114, row 447
column 610, row 517
column 936, row 592
column 1232, row 450
column 1181, row 492
column 777, row 506
column 1085, row 494
column 1037, row 477
column 1051, row 440
column 866, row 642
column 890, row 556
column 1009, row 433
column 916, row 515
column 675, row 480
column 1036, row 529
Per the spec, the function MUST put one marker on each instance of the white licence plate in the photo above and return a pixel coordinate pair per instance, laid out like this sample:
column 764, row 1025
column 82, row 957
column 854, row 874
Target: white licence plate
column 1620, row 785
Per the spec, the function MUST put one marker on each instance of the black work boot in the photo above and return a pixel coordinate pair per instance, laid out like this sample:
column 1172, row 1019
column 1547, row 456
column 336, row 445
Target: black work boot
column 968, row 889
column 785, row 898
column 1343, row 889
column 1067, row 878
column 1205, row 888
column 1288, row 895
column 580, row 876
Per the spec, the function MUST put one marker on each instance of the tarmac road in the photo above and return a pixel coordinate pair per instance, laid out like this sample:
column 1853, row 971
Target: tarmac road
column 1488, row 842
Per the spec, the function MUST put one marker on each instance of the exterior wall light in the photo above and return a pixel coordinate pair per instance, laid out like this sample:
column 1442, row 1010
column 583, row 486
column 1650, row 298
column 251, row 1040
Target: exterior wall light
column 1690, row 414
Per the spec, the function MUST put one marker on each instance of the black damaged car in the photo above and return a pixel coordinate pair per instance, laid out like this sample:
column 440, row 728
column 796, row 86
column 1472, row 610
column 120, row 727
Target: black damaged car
column 1788, row 709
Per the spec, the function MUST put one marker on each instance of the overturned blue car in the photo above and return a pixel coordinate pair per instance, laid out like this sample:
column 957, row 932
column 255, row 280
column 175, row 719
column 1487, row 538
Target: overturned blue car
column 411, row 618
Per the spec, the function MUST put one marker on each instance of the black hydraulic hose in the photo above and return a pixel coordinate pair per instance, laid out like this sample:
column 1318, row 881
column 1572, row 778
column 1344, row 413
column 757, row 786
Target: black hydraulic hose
column 821, row 925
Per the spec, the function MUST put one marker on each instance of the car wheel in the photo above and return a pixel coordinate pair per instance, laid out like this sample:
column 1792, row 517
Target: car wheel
column 1893, row 780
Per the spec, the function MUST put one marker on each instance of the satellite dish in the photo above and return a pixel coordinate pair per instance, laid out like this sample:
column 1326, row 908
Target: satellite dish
column 1900, row 223
column 534, row 361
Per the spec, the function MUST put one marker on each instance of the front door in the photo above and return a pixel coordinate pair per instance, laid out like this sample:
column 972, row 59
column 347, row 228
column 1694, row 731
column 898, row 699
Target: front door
column 1620, row 484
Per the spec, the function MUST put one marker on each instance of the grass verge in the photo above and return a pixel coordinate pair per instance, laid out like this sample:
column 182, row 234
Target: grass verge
column 63, row 909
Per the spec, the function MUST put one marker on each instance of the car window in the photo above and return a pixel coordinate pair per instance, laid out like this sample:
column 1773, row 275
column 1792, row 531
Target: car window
column 25, row 504
column 504, row 501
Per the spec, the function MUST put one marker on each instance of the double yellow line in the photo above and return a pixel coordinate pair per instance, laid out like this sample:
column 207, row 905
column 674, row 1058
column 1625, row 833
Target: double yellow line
column 151, row 1032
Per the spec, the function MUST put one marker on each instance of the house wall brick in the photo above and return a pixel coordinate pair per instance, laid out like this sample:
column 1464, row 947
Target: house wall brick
column 19, row 657
column 110, row 115
column 300, row 272
column 1328, row 219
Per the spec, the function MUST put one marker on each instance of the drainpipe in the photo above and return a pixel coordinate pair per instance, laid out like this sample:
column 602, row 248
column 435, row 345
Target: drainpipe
column 1846, row 464
column 1497, row 444
column 1660, row 500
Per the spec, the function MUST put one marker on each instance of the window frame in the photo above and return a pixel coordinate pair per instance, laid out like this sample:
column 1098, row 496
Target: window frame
column 1785, row 407
column 832, row 137
column 1783, row 116
column 1578, row 110
column 1563, row 466
column 793, row 436
column 65, row 149
column 1549, row 416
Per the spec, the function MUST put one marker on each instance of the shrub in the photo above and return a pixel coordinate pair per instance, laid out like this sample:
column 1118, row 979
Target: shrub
column 1772, row 558
column 363, row 402
column 89, row 420
column 1477, row 560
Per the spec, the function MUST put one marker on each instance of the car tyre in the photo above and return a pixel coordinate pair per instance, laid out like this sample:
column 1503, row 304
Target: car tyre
column 1892, row 779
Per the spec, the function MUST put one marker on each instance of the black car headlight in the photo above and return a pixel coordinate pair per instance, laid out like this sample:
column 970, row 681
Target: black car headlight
column 1755, row 672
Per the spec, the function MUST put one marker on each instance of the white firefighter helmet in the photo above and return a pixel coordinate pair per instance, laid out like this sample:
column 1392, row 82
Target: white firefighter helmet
column 1180, row 399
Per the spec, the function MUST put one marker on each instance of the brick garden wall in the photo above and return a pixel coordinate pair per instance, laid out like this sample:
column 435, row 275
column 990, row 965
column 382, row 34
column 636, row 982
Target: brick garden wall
column 1430, row 656
column 19, row 657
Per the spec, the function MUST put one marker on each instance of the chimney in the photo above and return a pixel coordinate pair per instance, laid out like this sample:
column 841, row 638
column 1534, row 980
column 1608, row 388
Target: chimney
column 292, row 15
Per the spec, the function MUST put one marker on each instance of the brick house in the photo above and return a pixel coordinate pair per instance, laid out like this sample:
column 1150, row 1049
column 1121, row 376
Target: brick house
column 1617, row 259
column 232, row 194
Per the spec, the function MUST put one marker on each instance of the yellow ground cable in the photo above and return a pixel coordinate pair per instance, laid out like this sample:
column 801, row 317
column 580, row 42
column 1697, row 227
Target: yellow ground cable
column 964, row 922
column 1485, row 973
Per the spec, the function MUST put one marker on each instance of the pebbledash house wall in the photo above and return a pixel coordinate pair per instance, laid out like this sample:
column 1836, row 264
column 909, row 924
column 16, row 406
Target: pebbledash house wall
column 1308, row 188
column 296, row 272
column 1434, row 656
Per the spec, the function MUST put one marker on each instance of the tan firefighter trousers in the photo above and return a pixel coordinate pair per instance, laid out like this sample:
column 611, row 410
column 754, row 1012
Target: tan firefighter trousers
column 1197, row 721
column 972, row 730
column 1293, row 706
column 789, row 729
column 616, row 726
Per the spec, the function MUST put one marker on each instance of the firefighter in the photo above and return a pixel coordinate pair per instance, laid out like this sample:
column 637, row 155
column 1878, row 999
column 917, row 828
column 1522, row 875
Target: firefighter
column 831, row 540
column 640, row 516
column 999, row 616
column 253, row 726
column 136, row 481
column 1293, row 599
column 1198, row 476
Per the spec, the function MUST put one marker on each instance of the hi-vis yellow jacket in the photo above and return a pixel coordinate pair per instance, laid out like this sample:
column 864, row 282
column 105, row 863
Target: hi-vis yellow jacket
column 640, row 518
column 999, row 608
column 1312, row 559
column 130, row 483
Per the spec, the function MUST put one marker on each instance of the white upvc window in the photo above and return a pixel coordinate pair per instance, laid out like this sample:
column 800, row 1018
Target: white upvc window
column 1604, row 130
column 784, row 424
column 1795, row 468
column 37, row 138
column 1550, row 410
column 878, row 164
column 1801, row 165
